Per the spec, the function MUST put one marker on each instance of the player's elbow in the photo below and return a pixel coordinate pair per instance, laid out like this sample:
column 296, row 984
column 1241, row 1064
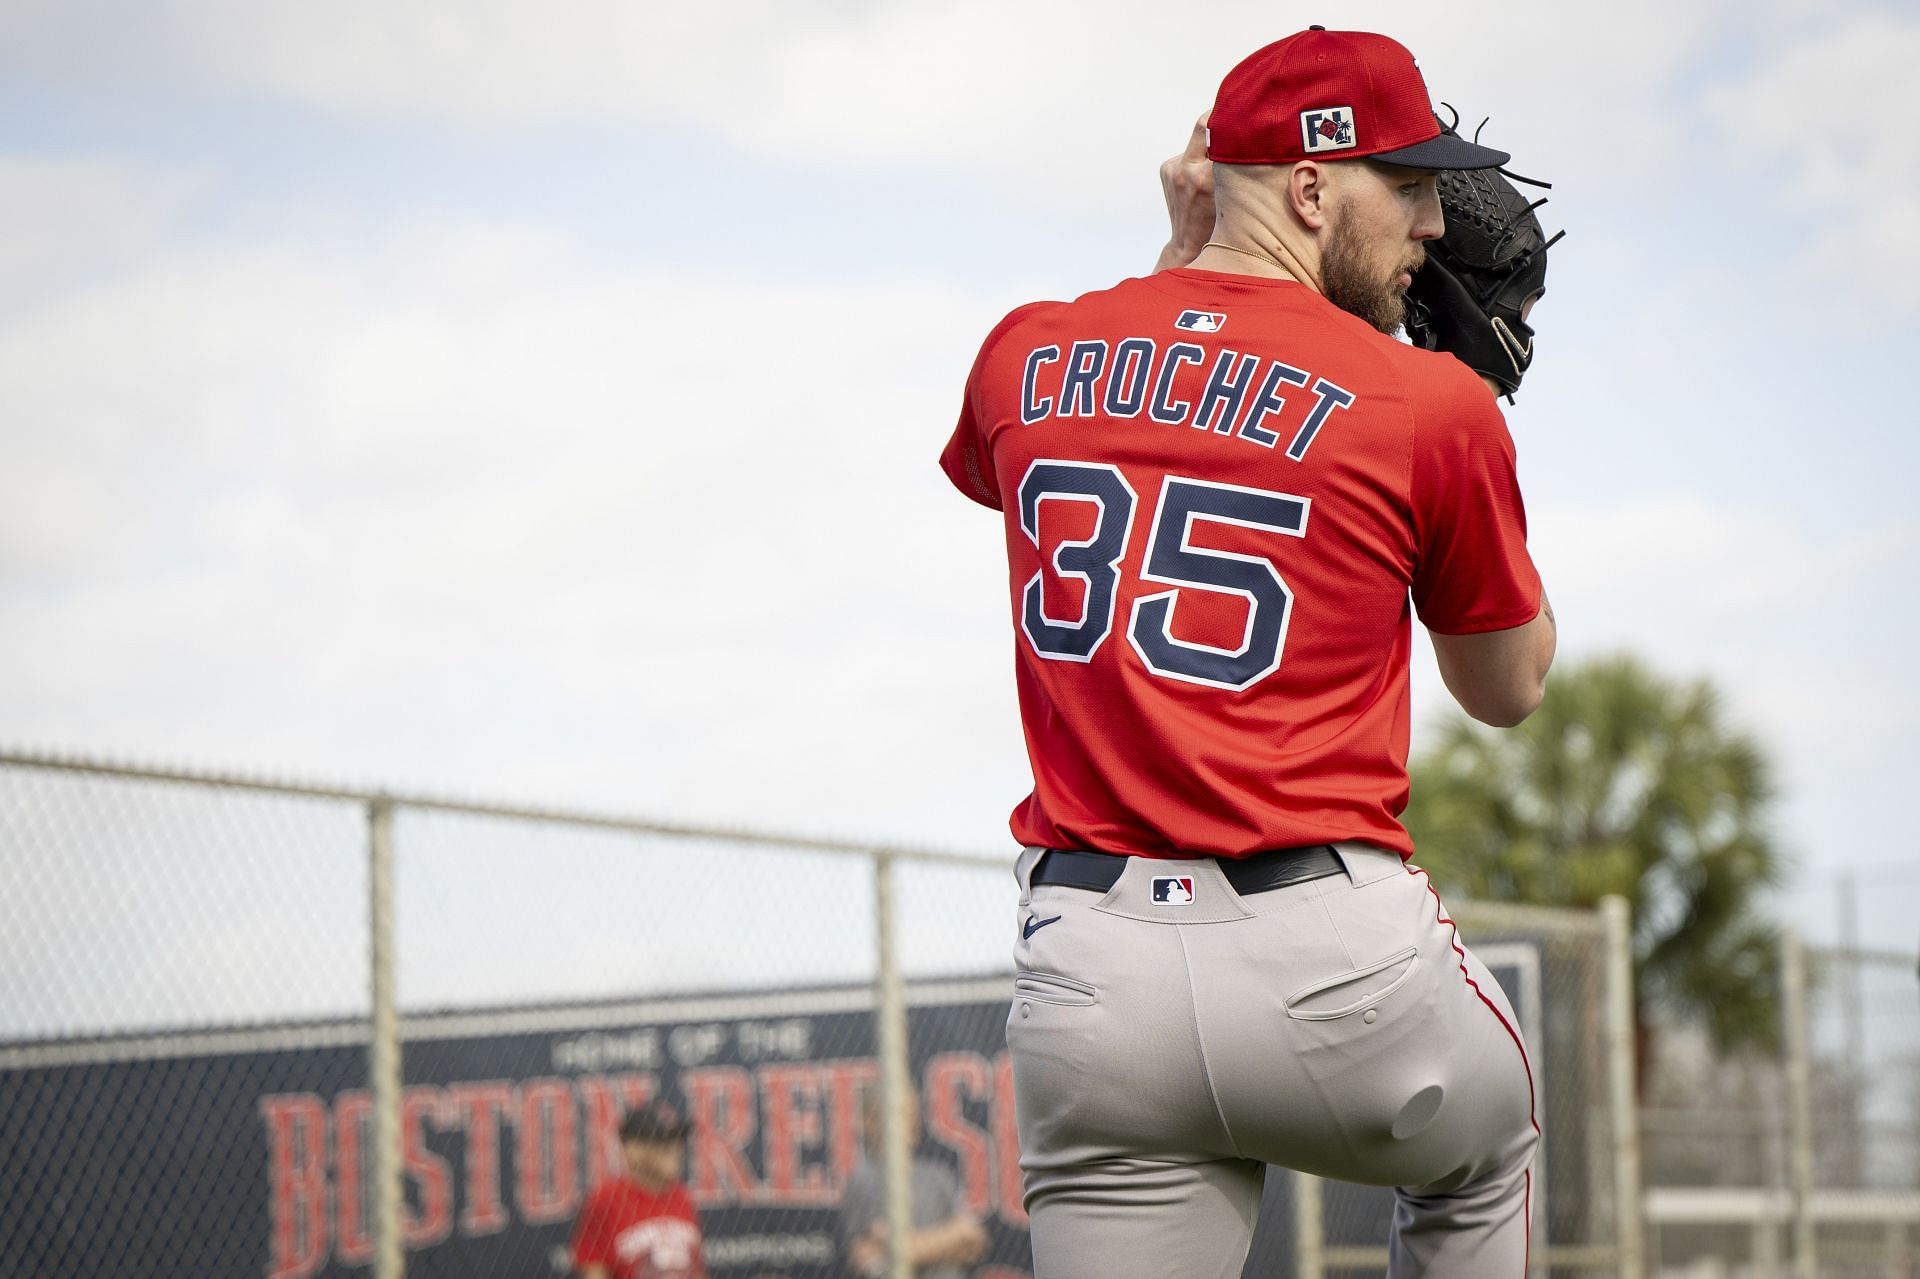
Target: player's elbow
column 1505, row 708
column 1499, row 677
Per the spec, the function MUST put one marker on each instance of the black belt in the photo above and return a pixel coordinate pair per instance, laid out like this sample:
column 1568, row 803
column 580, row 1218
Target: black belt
column 1257, row 873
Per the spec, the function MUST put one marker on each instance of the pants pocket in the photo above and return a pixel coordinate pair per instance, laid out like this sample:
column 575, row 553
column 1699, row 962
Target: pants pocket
column 1354, row 991
column 1051, row 988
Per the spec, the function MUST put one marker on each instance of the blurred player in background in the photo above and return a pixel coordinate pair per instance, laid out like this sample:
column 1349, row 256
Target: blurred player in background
column 642, row 1225
column 947, row 1238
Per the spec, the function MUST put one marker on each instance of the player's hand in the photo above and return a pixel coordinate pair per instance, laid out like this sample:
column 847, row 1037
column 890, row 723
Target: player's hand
column 965, row 1240
column 869, row 1253
column 1186, row 180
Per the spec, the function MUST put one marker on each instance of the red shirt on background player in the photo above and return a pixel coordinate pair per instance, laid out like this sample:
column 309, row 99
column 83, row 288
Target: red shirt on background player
column 642, row 1226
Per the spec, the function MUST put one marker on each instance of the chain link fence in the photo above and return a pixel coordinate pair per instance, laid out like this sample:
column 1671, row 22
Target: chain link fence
column 1863, row 1099
column 199, row 973
column 1806, row 1163
column 137, row 919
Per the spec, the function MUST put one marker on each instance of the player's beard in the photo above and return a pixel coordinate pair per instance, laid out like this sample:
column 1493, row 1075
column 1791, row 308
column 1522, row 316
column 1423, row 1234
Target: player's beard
column 1353, row 281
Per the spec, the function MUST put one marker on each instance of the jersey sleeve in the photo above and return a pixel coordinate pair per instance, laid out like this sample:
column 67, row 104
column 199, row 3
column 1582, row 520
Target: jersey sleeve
column 968, row 457
column 1472, row 572
column 593, row 1233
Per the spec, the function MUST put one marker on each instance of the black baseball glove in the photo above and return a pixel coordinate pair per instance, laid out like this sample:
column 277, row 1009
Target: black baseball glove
column 1481, row 274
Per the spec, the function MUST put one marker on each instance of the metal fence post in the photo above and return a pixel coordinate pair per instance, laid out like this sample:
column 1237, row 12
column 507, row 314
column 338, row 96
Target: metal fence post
column 895, row 1076
column 383, row 1049
column 1793, row 1038
column 1622, row 1091
column 1309, row 1228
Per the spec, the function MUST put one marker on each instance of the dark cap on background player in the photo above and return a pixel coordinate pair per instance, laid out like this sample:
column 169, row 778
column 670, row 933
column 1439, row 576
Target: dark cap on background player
column 1334, row 95
column 655, row 1121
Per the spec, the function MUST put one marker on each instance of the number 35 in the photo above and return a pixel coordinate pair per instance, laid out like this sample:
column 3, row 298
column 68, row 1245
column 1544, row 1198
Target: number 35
column 1171, row 561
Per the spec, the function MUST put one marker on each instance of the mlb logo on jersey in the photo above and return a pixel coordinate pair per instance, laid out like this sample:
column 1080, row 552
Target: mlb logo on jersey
column 1327, row 129
column 1173, row 890
column 1200, row 321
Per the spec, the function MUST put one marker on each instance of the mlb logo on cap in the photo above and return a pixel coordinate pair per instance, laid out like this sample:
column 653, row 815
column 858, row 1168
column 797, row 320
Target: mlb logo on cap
column 1327, row 129
column 1173, row 890
column 1200, row 321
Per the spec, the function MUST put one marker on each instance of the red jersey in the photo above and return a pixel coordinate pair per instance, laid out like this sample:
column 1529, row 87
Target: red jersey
column 1224, row 499
column 637, row 1234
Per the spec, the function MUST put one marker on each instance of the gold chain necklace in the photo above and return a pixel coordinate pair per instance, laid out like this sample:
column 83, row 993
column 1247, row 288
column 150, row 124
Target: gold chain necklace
column 1245, row 253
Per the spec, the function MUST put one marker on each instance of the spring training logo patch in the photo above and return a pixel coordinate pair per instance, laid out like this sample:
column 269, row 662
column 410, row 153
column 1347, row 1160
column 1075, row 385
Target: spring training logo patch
column 1201, row 321
column 1327, row 129
column 1173, row 890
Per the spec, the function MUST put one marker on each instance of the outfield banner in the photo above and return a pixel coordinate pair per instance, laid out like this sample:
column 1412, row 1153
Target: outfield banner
column 248, row 1152
column 180, row 1155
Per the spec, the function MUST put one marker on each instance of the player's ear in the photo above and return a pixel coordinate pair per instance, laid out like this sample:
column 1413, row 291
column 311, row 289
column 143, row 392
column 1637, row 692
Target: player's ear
column 1310, row 192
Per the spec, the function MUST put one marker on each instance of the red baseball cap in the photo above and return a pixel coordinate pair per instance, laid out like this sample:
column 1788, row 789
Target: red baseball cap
column 1334, row 95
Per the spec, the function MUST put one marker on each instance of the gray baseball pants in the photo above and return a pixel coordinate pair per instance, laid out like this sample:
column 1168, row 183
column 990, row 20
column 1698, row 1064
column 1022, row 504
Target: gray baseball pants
column 1164, row 1052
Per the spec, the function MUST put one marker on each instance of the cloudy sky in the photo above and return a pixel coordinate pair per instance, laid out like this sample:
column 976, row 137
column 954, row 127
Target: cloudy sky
column 541, row 401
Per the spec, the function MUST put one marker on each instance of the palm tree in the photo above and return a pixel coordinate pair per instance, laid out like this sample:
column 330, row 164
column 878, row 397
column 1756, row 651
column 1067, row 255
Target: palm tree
column 1622, row 782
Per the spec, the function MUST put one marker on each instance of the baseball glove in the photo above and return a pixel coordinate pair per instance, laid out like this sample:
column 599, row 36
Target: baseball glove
column 1481, row 274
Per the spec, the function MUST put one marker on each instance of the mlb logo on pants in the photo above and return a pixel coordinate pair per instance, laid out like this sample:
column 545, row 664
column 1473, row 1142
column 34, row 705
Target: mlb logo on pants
column 1173, row 890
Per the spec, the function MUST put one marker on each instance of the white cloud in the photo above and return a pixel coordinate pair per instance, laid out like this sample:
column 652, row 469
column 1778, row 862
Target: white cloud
column 1737, row 567
column 1809, row 113
column 77, row 214
column 466, row 483
column 1067, row 97
column 1067, row 107
column 1662, row 147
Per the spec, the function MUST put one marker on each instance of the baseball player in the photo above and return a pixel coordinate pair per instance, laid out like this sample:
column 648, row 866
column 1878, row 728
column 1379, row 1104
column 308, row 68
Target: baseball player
column 1227, row 489
column 946, row 1239
column 642, row 1226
